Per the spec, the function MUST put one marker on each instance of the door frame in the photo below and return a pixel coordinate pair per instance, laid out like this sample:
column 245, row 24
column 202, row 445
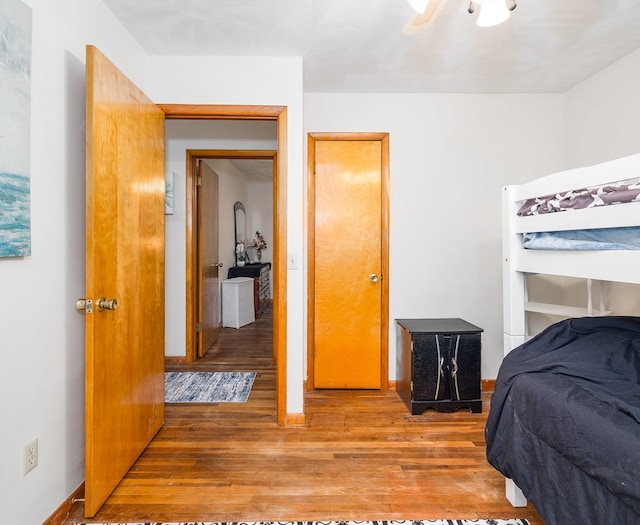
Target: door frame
column 248, row 112
column 193, row 155
column 312, row 138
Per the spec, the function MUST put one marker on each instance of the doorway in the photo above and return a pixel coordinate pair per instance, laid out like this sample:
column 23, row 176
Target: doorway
column 197, row 344
column 279, row 115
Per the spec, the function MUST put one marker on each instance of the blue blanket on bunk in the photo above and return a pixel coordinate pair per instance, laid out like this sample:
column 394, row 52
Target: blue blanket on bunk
column 598, row 239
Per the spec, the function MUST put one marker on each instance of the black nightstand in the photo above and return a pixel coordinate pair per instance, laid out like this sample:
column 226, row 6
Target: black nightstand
column 438, row 364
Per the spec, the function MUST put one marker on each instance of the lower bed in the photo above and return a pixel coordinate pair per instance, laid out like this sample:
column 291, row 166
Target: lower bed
column 564, row 422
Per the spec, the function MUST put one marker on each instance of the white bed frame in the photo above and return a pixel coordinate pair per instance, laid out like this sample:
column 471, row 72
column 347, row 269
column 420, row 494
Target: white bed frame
column 607, row 265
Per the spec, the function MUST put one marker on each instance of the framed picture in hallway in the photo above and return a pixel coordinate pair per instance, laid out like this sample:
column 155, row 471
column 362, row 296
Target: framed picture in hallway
column 15, row 114
column 168, row 193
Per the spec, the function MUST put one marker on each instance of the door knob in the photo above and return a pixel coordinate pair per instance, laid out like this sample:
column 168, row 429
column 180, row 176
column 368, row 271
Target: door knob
column 106, row 304
column 373, row 278
column 217, row 265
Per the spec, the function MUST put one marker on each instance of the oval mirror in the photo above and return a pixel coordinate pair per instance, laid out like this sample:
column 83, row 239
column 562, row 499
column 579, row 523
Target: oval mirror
column 239, row 221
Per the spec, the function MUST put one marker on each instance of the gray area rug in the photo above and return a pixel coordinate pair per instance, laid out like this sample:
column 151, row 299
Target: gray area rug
column 386, row 522
column 207, row 387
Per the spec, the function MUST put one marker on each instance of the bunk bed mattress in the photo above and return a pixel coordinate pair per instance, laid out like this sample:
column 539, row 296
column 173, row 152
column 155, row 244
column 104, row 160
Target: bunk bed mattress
column 564, row 422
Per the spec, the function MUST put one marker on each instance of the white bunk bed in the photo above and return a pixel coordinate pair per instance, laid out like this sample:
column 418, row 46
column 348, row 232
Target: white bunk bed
column 601, row 265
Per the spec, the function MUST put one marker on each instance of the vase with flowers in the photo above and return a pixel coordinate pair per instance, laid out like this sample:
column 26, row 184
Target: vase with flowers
column 258, row 243
column 241, row 254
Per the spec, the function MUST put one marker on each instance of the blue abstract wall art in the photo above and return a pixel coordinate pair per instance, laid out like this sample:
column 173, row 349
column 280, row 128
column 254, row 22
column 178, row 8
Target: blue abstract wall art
column 15, row 129
column 168, row 193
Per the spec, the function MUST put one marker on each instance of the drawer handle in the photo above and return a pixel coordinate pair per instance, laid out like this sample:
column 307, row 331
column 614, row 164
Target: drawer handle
column 454, row 372
column 440, row 368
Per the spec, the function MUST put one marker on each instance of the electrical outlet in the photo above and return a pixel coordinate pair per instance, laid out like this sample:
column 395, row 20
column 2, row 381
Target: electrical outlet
column 30, row 456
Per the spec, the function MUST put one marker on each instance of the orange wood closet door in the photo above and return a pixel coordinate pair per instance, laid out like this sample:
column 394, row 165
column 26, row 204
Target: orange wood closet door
column 124, row 261
column 347, row 264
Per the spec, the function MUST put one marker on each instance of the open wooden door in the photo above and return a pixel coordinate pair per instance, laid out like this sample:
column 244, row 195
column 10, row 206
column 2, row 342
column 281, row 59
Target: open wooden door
column 208, row 261
column 124, row 276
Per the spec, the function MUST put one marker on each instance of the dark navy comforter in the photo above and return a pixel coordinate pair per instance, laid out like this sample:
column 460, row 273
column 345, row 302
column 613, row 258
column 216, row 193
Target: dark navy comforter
column 564, row 421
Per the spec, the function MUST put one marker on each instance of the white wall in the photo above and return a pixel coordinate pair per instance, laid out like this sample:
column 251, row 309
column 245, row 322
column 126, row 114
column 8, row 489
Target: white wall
column 203, row 134
column 602, row 115
column 602, row 122
column 260, row 218
column 41, row 334
column 449, row 157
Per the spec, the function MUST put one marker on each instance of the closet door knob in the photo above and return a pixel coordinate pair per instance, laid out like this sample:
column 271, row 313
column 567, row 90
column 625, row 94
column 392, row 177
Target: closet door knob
column 106, row 304
column 373, row 278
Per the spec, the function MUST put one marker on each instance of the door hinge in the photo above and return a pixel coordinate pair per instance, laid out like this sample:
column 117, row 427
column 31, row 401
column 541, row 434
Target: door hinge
column 198, row 328
column 199, row 180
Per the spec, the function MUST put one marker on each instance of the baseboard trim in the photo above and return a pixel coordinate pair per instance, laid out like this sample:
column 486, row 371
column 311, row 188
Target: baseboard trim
column 62, row 512
column 174, row 360
column 488, row 384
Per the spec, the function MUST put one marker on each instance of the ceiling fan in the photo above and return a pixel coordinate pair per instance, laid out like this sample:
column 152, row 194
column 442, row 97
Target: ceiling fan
column 424, row 13
column 492, row 12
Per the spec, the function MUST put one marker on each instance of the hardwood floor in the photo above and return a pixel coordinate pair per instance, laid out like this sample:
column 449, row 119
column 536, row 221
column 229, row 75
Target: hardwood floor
column 361, row 456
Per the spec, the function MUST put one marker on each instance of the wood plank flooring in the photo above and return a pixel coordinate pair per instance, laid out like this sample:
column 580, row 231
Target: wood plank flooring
column 361, row 456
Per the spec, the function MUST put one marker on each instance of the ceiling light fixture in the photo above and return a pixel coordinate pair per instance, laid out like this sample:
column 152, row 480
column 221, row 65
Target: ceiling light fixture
column 492, row 12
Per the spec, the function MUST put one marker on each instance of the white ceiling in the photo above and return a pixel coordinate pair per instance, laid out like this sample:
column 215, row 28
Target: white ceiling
column 358, row 46
column 254, row 169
